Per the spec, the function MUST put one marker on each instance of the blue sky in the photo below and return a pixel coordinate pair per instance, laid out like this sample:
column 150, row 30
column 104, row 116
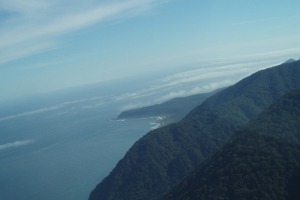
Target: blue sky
column 47, row 45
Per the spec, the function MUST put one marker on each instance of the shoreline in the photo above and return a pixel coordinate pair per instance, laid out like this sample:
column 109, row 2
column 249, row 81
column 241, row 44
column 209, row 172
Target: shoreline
column 158, row 121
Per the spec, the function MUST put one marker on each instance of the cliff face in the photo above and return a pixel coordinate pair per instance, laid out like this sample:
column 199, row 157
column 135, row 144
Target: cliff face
column 166, row 156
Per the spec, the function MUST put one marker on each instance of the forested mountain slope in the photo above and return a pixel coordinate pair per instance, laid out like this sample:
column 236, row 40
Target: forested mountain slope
column 260, row 162
column 166, row 156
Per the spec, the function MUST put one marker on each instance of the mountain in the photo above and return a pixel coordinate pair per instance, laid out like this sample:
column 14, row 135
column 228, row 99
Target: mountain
column 290, row 60
column 166, row 156
column 260, row 162
column 174, row 109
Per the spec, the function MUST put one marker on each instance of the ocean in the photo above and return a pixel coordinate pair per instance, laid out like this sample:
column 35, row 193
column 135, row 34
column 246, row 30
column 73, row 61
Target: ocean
column 62, row 151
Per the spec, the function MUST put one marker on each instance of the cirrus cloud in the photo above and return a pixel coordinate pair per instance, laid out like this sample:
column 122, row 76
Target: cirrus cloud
column 27, row 24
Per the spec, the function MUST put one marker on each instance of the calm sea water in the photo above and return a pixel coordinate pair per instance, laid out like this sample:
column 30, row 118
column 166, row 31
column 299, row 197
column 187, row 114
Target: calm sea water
column 62, row 151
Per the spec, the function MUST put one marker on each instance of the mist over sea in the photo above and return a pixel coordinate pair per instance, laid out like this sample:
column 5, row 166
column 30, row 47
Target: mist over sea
column 62, row 150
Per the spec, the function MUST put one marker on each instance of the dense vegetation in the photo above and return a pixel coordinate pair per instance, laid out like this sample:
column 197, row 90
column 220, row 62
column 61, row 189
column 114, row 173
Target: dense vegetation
column 174, row 109
column 166, row 156
column 260, row 162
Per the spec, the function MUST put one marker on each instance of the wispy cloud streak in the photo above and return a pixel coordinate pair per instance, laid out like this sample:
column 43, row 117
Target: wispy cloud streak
column 15, row 144
column 85, row 103
column 196, row 90
column 32, row 22
column 199, row 80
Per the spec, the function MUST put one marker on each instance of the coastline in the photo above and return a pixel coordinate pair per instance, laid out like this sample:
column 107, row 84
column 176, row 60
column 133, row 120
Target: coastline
column 156, row 121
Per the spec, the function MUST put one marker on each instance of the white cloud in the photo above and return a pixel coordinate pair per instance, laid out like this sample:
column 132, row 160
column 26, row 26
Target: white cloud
column 15, row 53
column 196, row 90
column 36, row 21
column 260, row 21
column 87, row 104
column 204, row 74
column 198, row 80
column 29, row 113
column 15, row 144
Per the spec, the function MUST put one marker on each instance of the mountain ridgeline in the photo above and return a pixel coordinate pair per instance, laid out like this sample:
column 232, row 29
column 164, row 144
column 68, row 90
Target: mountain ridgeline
column 262, row 161
column 174, row 109
column 166, row 156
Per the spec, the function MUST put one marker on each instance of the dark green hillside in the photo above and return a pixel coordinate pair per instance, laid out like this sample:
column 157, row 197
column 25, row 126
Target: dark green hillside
column 174, row 109
column 260, row 162
column 166, row 156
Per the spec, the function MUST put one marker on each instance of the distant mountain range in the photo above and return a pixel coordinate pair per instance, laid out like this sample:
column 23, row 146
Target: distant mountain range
column 165, row 157
column 174, row 109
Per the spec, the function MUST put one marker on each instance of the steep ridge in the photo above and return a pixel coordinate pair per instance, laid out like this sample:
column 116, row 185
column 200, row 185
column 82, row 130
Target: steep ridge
column 164, row 157
column 260, row 162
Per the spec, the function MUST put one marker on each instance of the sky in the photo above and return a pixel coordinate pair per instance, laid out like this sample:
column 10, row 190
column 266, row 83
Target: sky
column 48, row 45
